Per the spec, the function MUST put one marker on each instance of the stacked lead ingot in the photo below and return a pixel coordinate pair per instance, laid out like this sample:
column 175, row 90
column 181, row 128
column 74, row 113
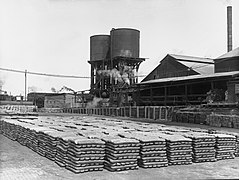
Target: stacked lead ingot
column 22, row 135
column 225, row 146
column 31, row 140
column 121, row 153
column 50, row 140
column 152, row 152
column 85, row 155
column 237, row 146
column 152, row 149
column 203, row 146
column 1, row 126
column 9, row 130
column 179, row 149
column 61, row 149
column 236, row 152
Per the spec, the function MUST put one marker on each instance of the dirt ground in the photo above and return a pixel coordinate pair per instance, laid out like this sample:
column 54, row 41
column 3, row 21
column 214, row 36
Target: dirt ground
column 20, row 162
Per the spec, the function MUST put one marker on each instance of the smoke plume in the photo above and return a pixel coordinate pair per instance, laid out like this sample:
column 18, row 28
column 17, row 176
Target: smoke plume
column 226, row 2
column 1, row 82
column 93, row 103
column 121, row 76
column 53, row 90
column 33, row 89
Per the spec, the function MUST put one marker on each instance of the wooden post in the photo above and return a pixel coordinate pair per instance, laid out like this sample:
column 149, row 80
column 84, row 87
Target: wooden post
column 186, row 93
column 145, row 111
column 130, row 111
column 154, row 113
column 137, row 111
column 165, row 95
column 151, row 95
column 166, row 113
column 160, row 112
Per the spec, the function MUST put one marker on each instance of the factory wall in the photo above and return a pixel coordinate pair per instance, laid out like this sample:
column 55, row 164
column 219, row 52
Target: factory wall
column 233, row 91
column 59, row 101
column 227, row 64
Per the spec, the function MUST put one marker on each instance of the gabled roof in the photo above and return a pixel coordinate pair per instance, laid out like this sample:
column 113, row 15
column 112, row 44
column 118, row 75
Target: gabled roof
column 233, row 53
column 184, row 78
column 191, row 58
column 59, row 94
column 200, row 68
column 198, row 64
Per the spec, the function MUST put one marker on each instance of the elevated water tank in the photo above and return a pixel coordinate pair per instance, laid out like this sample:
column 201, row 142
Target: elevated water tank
column 124, row 42
column 99, row 47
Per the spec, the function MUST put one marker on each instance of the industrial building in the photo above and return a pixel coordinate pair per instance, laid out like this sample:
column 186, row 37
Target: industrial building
column 184, row 80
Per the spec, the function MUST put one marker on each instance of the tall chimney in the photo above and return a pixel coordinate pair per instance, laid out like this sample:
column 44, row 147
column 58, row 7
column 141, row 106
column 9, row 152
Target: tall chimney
column 229, row 28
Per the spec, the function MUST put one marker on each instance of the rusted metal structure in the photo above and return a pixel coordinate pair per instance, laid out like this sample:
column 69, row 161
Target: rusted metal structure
column 124, row 42
column 114, row 63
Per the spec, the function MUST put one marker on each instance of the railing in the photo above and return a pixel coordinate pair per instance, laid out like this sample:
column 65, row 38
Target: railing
column 146, row 112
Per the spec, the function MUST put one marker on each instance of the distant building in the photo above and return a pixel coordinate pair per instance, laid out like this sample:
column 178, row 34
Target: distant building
column 60, row 100
column 37, row 98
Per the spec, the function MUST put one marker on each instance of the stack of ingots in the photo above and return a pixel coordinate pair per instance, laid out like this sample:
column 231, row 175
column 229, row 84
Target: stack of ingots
column 1, row 126
column 152, row 152
column 22, row 135
column 203, row 146
column 9, row 130
column 121, row 153
column 225, row 146
column 31, row 140
column 236, row 153
column 237, row 146
column 62, row 147
column 41, row 137
column 50, row 140
column 179, row 149
column 152, row 149
column 85, row 154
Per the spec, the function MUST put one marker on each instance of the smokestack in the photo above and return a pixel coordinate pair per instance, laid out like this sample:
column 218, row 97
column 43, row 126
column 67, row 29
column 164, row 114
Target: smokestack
column 229, row 28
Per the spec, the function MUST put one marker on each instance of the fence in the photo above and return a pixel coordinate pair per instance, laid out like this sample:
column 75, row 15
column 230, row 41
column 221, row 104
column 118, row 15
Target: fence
column 146, row 112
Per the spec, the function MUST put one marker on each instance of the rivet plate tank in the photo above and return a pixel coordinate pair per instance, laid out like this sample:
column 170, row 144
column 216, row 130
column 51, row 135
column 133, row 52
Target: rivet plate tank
column 99, row 47
column 125, row 42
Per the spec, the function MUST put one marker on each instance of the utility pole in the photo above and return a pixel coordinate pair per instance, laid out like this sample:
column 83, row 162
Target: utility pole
column 25, row 85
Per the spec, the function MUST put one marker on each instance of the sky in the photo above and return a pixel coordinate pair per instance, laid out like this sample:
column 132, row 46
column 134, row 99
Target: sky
column 53, row 36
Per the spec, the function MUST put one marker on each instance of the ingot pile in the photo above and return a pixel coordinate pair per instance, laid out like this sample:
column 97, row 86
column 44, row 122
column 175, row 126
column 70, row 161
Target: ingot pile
column 225, row 146
column 179, row 149
column 90, row 144
column 152, row 152
column 203, row 147
column 121, row 153
column 85, row 155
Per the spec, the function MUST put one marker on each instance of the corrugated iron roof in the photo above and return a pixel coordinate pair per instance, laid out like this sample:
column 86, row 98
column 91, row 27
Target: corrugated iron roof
column 191, row 58
column 233, row 53
column 183, row 78
column 199, row 67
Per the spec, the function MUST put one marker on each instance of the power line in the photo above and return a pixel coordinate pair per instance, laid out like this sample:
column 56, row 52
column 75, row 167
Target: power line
column 51, row 75
column 44, row 74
